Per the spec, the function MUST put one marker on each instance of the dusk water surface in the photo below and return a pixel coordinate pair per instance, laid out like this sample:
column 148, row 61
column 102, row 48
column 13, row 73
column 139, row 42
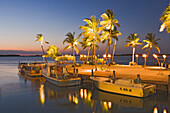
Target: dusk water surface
column 22, row 94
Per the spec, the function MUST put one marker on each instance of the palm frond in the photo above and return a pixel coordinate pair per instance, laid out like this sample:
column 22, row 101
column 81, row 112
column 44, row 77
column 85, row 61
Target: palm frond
column 66, row 47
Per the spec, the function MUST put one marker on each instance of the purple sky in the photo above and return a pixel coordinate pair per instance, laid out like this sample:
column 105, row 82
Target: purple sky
column 21, row 20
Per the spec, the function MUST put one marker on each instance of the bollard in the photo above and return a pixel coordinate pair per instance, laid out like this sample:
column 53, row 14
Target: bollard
column 92, row 72
column 114, row 74
column 169, row 84
column 76, row 73
column 76, row 70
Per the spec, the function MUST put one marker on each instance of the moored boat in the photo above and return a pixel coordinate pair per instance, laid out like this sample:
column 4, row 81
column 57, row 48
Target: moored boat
column 21, row 66
column 57, row 75
column 124, row 87
column 122, row 100
column 31, row 69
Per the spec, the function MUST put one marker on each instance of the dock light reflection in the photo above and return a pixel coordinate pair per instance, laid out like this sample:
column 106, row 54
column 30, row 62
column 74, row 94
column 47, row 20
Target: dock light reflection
column 164, row 111
column 42, row 95
column 109, row 105
column 75, row 99
column 85, row 93
column 81, row 93
column 155, row 110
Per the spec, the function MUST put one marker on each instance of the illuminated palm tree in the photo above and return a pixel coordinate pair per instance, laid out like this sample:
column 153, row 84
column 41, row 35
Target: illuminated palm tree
column 91, row 31
column 52, row 52
column 72, row 43
column 133, row 40
column 88, row 44
column 165, row 18
column 109, row 22
column 107, row 34
column 151, row 42
column 41, row 39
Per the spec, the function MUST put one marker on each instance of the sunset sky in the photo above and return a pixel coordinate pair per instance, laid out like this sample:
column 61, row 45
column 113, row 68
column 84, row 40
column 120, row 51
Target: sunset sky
column 21, row 20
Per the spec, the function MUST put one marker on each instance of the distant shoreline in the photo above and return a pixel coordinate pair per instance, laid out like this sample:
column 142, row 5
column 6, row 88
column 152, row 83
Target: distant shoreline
column 20, row 55
column 13, row 55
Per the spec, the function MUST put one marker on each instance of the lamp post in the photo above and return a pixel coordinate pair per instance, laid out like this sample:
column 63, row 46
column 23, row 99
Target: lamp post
column 160, row 64
column 137, row 58
column 109, row 56
column 144, row 56
column 164, row 56
column 83, row 57
column 43, row 57
column 156, row 57
column 105, row 56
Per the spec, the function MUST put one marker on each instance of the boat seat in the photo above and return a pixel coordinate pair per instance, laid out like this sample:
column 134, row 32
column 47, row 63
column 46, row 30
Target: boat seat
column 126, row 82
column 138, row 85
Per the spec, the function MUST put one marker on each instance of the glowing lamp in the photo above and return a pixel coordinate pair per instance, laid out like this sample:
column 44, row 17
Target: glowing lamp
column 164, row 56
column 136, row 55
column 104, row 55
column 109, row 55
column 144, row 55
column 155, row 56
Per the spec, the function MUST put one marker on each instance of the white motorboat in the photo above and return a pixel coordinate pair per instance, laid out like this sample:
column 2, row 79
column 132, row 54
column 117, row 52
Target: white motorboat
column 124, row 86
column 57, row 75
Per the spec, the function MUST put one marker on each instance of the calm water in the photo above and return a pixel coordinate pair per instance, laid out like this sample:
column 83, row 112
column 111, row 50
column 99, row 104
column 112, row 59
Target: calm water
column 22, row 94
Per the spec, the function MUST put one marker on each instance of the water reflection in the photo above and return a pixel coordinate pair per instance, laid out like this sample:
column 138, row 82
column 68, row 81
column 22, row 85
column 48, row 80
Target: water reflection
column 42, row 95
column 87, row 98
column 63, row 96
column 164, row 111
column 156, row 110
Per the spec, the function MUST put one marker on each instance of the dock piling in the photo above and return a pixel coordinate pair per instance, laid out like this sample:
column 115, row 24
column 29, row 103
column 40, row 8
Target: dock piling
column 76, row 73
column 114, row 74
column 91, row 72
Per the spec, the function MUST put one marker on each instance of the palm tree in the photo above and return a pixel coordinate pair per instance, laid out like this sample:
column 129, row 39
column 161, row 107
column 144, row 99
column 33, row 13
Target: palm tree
column 165, row 18
column 72, row 43
column 53, row 52
column 109, row 35
column 109, row 22
column 151, row 42
column 41, row 39
column 133, row 40
column 88, row 44
column 91, row 31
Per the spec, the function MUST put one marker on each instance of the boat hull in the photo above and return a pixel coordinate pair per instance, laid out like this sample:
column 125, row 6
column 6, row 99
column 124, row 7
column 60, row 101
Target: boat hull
column 122, row 89
column 61, row 82
column 66, row 82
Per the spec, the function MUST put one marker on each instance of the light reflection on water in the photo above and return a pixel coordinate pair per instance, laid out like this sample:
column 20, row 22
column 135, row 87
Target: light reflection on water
column 23, row 94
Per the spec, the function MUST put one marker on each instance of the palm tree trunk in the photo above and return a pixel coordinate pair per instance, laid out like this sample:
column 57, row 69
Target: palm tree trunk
column 88, row 55
column 73, row 55
column 94, row 56
column 105, row 52
column 109, row 52
column 114, row 50
column 133, row 55
column 73, row 61
column 147, row 56
column 44, row 53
